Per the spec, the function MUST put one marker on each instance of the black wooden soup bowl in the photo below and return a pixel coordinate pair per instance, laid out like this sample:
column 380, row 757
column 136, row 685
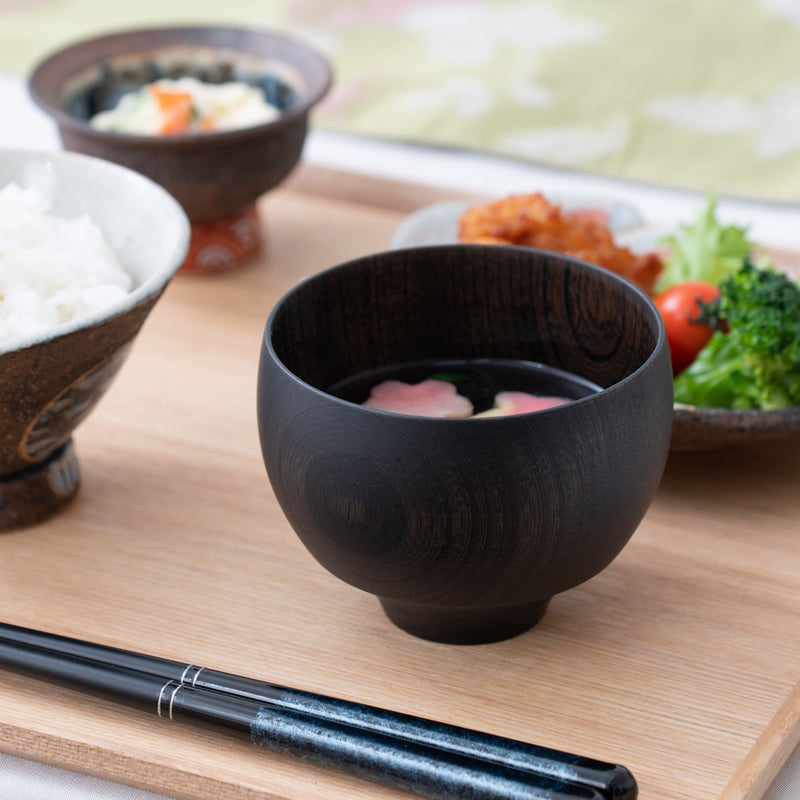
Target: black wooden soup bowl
column 465, row 528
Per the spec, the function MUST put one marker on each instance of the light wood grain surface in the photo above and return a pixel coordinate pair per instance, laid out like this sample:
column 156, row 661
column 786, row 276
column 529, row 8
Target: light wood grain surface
column 680, row 661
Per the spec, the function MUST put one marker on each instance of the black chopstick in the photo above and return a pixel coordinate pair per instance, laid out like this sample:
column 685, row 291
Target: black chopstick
column 426, row 771
column 442, row 742
column 612, row 780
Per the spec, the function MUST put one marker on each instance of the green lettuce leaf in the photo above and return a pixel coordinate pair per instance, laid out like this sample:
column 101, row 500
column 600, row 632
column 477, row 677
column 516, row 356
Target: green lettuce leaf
column 704, row 250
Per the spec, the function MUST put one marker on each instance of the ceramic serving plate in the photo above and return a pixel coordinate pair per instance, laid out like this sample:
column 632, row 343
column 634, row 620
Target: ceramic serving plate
column 697, row 429
column 694, row 429
column 438, row 223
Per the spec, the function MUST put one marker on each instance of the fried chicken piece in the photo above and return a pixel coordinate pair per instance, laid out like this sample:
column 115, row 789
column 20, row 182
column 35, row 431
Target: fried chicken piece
column 531, row 221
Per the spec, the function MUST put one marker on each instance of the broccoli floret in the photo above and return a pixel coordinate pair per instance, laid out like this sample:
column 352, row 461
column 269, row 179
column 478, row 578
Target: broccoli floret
column 754, row 361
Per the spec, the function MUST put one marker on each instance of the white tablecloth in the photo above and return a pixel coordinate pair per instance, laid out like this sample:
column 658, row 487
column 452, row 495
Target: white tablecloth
column 25, row 127
column 21, row 779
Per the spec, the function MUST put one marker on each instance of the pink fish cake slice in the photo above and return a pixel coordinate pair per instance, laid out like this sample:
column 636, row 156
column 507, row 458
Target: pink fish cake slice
column 429, row 398
column 507, row 403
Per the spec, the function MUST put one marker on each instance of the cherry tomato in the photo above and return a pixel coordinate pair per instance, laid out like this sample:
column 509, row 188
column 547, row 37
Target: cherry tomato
column 679, row 307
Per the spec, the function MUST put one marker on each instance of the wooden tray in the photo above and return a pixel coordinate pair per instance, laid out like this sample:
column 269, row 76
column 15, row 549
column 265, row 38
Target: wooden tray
column 680, row 661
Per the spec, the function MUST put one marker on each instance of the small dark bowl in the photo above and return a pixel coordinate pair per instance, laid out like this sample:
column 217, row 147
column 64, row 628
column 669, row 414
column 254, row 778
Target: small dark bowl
column 465, row 528
column 213, row 175
column 50, row 381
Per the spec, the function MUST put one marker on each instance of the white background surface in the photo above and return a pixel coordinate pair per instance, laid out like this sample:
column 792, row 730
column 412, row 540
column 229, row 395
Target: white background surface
column 25, row 127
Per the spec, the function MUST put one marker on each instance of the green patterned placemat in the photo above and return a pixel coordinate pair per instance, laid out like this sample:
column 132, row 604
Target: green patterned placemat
column 700, row 94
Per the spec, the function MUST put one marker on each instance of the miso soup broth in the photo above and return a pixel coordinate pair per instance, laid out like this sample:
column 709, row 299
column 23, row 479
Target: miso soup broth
column 480, row 380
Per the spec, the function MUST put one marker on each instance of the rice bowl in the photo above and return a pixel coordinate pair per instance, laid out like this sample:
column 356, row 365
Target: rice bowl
column 52, row 377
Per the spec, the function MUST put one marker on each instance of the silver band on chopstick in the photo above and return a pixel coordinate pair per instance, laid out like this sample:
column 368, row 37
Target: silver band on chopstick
column 174, row 685
column 188, row 676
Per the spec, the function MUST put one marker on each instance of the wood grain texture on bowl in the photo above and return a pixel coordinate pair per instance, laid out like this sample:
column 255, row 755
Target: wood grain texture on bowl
column 464, row 528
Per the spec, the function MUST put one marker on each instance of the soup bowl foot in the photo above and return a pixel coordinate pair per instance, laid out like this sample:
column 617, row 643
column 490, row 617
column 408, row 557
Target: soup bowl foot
column 464, row 625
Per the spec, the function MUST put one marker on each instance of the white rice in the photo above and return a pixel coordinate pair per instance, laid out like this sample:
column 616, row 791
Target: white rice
column 52, row 270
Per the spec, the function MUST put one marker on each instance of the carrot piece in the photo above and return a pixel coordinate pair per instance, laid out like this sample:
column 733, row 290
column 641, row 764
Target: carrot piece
column 175, row 109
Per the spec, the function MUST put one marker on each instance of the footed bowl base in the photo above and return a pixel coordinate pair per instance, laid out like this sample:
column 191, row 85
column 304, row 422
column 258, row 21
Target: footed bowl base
column 464, row 625
column 34, row 494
